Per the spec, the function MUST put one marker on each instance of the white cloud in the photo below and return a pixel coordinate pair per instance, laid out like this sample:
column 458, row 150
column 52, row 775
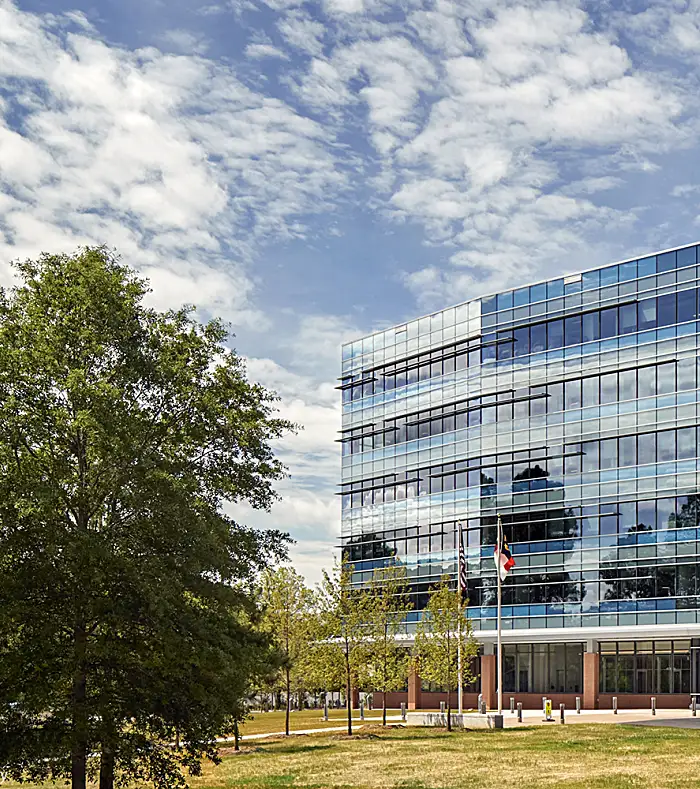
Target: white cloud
column 163, row 156
column 259, row 51
column 183, row 41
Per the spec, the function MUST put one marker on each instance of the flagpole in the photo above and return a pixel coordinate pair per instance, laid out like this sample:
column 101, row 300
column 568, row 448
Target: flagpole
column 459, row 622
column 499, row 658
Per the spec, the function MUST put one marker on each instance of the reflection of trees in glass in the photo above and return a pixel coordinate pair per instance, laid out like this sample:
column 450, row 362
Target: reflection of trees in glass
column 370, row 545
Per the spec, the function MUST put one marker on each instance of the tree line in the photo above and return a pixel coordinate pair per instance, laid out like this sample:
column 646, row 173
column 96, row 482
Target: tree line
column 341, row 637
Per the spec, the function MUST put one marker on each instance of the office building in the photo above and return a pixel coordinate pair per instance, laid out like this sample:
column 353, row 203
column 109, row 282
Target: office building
column 570, row 407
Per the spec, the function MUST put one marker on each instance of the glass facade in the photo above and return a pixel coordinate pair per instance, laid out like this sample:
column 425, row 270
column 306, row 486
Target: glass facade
column 570, row 407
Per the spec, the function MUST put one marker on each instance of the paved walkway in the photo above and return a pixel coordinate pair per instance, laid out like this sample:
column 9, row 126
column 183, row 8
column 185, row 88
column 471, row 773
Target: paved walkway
column 682, row 719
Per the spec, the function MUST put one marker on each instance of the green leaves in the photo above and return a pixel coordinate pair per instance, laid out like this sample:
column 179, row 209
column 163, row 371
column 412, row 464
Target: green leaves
column 442, row 629
column 123, row 432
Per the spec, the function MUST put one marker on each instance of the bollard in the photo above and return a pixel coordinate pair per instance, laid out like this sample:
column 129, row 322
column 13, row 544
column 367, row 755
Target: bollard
column 512, row 705
column 442, row 707
column 325, row 709
column 578, row 705
column 403, row 710
column 483, row 707
column 653, row 705
column 695, row 706
column 520, row 712
column 561, row 713
column 362, row 710
column 614, row 705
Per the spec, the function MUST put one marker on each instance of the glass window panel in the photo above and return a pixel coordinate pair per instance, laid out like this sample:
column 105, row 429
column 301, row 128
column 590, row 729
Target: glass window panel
column 687, row 310
column 505, row 300
column 627, row 385
column 666, row 378
column 646, row 314
column 608, row 388
column 666, row 309
column 591, row 326
column 555, row 399
column 608, row 453
column 685, row 373
column 646, row 515
column 489, row 305
column 608, row 276
column 591, row 279
column 538, row 337
column 685, row 442
column 555, row 334
column 522, row 341
column 608, row 322
column 505, row 347
column 628, row 271
column 590, row 456
column 538, row 292
column 628, row 451
column 591, row 391
column 663, row 670
column 646, row 382
column 646, row 448
column 685, row 257
column 666, row 262
column 521, row 297
column 555, row 288
column 666, row 445
column 573, row 330
column 628, row 318
column 572, row 394
column 646, row 266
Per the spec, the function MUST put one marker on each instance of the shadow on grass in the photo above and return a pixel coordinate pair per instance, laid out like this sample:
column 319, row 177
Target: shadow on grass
column 274, row 782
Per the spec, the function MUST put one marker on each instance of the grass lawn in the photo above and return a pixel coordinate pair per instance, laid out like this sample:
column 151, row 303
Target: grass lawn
column 577, row 757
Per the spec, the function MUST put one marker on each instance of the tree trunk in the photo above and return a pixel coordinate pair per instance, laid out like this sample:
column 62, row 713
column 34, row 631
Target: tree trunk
column 79, row 721
column 236, row 737
column 384, row 708
column 449, row 709
column 107, row 767
column 289, row 703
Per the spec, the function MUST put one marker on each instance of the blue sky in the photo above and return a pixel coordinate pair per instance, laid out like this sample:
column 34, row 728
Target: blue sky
column 314, row 171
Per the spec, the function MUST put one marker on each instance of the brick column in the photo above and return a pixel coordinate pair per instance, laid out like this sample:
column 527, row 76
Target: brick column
column 414, row 690
column 591, row 677
column 488, row 680
column 355, row 699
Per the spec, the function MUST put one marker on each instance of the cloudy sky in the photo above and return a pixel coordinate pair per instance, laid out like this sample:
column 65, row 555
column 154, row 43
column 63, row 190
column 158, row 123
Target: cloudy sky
column 312, row 171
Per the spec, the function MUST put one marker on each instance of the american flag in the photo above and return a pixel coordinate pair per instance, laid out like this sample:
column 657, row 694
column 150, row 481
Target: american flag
column 462, row 565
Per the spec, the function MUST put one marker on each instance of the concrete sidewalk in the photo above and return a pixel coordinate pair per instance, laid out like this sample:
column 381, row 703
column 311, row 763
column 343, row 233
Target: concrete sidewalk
column 667, row 718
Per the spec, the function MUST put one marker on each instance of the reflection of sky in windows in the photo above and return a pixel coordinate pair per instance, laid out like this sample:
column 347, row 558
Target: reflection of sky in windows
column 627, row 316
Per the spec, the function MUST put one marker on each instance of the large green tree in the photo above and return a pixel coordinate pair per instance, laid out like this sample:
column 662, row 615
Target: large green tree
column 342, row 631
column 386, row 659
column 288, row 604
column 127, row 619
column 443, row 631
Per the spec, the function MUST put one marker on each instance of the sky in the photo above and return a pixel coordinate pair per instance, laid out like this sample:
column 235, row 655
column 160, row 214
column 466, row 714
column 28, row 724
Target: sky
column 314, row 171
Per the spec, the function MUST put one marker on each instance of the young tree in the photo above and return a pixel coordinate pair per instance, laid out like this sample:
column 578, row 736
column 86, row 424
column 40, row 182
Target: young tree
column 438, row 638
column 126, row 607
column 387, row 660
column 344, row 612
column 287, row 606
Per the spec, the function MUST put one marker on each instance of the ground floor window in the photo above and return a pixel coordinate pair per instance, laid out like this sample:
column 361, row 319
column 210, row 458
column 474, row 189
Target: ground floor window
column 645, row 667
column 543, row 668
